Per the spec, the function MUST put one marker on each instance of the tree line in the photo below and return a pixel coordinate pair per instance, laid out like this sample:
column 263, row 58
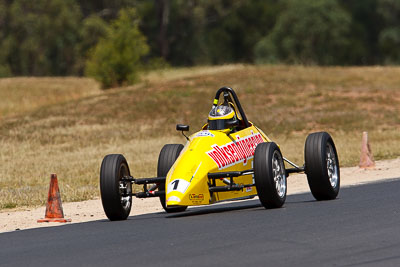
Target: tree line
column 75, row 37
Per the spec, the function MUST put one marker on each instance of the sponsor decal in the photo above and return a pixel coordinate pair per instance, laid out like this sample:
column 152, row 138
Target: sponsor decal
column 204, row 134
column 248, row 189
column 235, row 152
column 196, row 198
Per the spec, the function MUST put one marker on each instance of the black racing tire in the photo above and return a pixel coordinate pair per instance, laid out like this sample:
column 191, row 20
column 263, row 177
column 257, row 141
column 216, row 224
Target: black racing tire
column 115, row 205
column 270, row 175
column 168, row 155
column 322, row 166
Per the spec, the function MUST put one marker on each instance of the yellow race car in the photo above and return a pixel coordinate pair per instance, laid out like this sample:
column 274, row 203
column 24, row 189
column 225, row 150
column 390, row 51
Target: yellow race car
column 228, row 159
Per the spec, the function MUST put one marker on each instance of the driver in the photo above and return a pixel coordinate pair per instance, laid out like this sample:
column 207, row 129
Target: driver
column 221, row 117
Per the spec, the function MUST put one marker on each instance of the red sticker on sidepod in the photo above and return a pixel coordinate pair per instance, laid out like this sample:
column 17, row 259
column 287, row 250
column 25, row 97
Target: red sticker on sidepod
column 234, row 152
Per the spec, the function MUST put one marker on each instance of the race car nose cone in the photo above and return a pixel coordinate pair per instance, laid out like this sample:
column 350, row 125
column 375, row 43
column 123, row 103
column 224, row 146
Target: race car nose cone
column 173, row 200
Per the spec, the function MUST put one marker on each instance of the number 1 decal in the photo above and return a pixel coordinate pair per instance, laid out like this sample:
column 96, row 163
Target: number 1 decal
column 179, row 185
column 175, row 183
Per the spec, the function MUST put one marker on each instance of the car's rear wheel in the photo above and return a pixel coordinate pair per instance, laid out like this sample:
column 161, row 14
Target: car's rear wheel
column 168, row 155
column 270, row 175
column 322, row 166
column 114, row 190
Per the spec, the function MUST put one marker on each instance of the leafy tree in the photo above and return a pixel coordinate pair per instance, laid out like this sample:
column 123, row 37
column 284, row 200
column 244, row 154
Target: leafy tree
column 207, row 31
column 105, row 9
column 56, row 37
column 307, row 32
column 93, row 29
column 116, row 59
column 364, row 31
column 389, row 37
column 231, row 37
column 149, row 25
column 41, row 36
column 4, row 67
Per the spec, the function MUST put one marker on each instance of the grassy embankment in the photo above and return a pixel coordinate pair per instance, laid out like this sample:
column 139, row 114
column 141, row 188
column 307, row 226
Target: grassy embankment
column 67, row 125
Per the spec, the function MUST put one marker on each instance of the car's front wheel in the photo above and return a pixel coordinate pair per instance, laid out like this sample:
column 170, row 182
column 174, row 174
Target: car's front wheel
column 115, row 191
column 168, row 155
column 270, row 175
column 322, row 166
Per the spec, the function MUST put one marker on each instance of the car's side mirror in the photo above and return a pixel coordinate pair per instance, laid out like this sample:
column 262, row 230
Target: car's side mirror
column 182, row 127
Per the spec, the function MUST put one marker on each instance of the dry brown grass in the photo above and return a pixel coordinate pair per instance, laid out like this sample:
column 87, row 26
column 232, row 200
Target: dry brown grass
column 72, row 137
column 19, row 95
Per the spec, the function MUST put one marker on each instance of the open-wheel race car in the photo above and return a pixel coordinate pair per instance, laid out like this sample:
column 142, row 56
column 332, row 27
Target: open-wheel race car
column 228, row 159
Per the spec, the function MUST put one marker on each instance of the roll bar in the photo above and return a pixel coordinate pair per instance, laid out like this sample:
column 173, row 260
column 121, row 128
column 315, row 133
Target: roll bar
column 230, row 91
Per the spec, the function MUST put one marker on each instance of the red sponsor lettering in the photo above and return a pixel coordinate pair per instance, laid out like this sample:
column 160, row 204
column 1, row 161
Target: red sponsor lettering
column 222, row 154
column 235, row 152
column 219, row 157
column 248, row 147
column 228, row 152
column 241, row 148
column 259, row 139
column 212, row 154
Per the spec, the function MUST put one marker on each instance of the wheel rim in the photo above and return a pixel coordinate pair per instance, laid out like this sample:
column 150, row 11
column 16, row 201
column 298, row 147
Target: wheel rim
column 331, row 165
column 279, row 174
column 125, row 188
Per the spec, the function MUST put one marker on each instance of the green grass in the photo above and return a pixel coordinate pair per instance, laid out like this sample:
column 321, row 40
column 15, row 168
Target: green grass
column 73, row 125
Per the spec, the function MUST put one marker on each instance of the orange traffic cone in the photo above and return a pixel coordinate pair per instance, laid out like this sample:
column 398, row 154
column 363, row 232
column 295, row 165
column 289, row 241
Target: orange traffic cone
column 366, row 159
column 54, row 210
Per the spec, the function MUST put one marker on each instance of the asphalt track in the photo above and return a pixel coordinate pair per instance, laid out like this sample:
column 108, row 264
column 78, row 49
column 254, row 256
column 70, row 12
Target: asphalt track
column 360, row 228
